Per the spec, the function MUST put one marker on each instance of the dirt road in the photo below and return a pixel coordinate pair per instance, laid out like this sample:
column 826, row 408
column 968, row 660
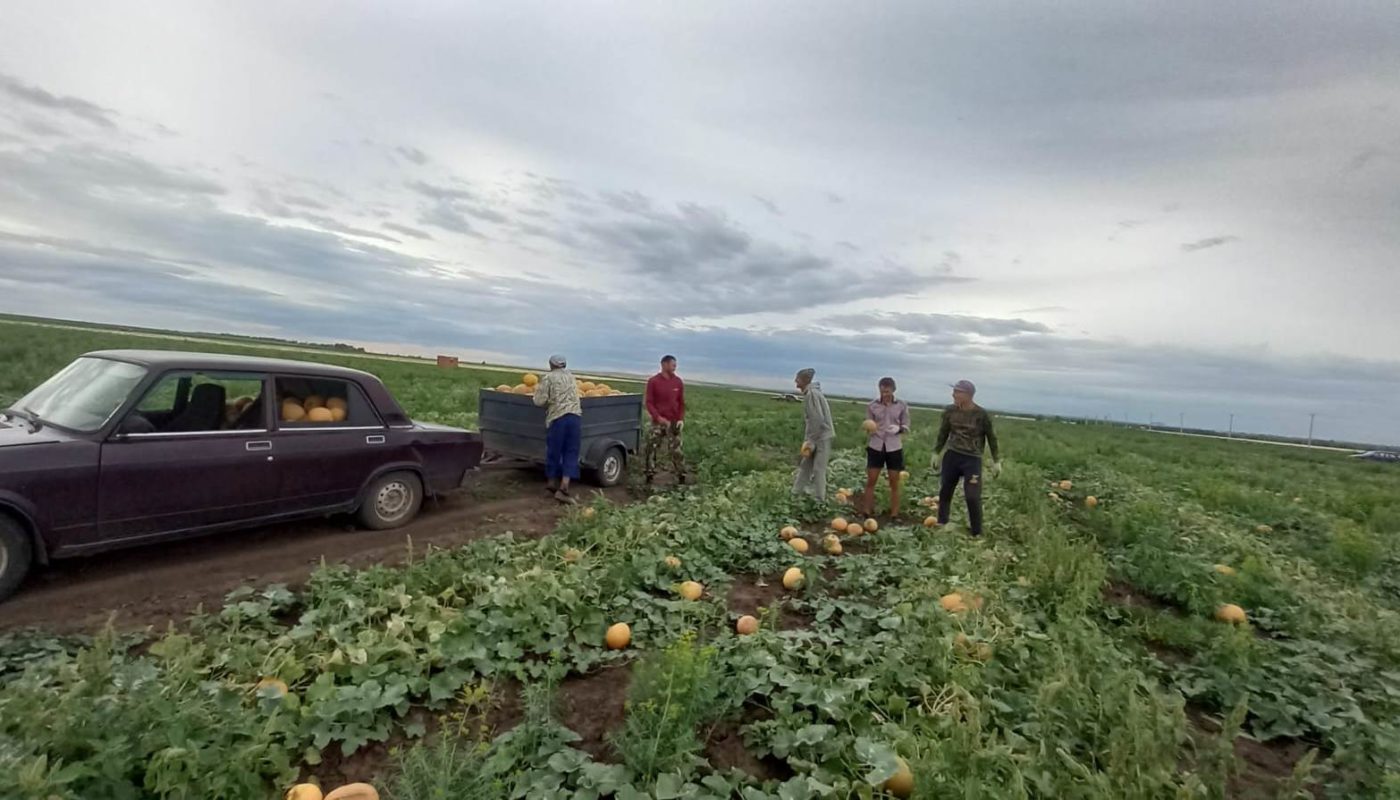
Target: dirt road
column 162, row 583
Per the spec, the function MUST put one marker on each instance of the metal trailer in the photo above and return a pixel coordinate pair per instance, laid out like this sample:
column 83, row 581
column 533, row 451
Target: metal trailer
column 513, row 433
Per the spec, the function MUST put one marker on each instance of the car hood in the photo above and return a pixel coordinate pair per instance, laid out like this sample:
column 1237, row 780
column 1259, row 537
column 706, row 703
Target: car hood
column 19, row 434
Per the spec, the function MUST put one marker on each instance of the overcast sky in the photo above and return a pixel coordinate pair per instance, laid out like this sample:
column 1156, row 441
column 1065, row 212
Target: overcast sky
column 1089, row 208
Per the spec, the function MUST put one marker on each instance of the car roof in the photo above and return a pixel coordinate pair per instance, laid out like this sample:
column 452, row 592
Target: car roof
column 174, row 359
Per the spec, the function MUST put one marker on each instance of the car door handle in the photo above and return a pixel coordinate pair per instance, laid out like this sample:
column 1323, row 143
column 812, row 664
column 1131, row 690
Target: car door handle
column 376, row 439
column 254, row 447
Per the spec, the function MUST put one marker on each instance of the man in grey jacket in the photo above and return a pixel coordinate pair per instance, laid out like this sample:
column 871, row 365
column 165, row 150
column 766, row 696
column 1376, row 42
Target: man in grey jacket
column 817, row 434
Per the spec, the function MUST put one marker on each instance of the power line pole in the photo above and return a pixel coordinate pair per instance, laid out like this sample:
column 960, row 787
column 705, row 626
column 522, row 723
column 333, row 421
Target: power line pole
column 1151, row 420
column 1311, row 418
column 1232, row 426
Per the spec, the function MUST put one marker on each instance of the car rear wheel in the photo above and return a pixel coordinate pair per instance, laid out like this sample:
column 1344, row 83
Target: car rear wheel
column 16, row 553
column 391, row 501
column 611, row 468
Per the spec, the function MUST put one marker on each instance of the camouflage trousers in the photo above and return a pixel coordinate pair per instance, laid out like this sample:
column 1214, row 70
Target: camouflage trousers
column 669, row 436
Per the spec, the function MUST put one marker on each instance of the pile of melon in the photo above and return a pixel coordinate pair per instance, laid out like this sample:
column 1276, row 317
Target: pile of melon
column 350, row 791
column 314, row 408
column 530, row 380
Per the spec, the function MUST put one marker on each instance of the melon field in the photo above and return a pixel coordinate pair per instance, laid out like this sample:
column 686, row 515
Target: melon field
column 1074, row 652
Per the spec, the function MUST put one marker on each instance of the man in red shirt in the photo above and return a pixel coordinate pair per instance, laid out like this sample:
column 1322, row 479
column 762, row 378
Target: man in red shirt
column 666, row 405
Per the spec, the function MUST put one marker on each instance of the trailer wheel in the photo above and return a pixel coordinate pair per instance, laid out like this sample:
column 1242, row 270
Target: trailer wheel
column 611, row 468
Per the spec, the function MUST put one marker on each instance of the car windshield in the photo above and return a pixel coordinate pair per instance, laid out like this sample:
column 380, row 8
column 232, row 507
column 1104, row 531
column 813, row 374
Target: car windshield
column 84, row 395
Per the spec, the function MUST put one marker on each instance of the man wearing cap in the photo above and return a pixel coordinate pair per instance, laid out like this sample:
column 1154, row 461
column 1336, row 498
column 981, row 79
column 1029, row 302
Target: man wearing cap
column 818, row 431
column 563, row 421
column 966, row 430
column 665, row 401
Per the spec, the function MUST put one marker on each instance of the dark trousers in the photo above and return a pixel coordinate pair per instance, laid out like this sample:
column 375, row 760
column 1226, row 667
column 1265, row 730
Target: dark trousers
column 968, row 469
column 561, row 446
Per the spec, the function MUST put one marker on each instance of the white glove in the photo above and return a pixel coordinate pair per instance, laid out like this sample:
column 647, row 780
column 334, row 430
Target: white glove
column 892, row 429
column 933, row 462
column 995, row 468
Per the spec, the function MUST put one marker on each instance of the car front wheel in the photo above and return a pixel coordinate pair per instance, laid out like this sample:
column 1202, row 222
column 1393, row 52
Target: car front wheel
column 391, row 501
column 16, row 553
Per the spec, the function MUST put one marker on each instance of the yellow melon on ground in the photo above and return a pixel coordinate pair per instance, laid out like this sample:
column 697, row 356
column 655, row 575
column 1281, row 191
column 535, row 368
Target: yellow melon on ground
column 293, row 411
column 690, row 590
column 673, row 562
column 304, row 791
column 572, row 554
column 800, row 545
column 746, row 625
column 1231, row 613
column 793, row 578
column 1091, row 501
column 839, row 524
column 958, row 602
column 854, row 529
column 904, row 475
column 1224, row 569
column 529, row 379
column 930, row 522
column 901, row 783
column 1264, row 529
column 1065, row 486
column 618, row 636
column 277, row 685
column 871, row 525
column 320, row 414
column 354, row 791
column 787, row 533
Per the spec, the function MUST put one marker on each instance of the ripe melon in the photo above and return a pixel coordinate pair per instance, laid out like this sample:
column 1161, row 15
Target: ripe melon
column 930, row 522
column 793, row 578
column 320, row 414
column 673, row 562
column 800, row 545
column 690, row 590
column 854, row 529
column 871, row 526
column 618, row 636
column 868, row 426
column 336, row 402
column 572, row 554
column 304, row 791
column 904, row 475
column 1230, row 613
column 277, row 685
column 953, row 603
column 314, row 401
column 806, row 450
column 835, row 549
column 337, row 414
column 746, row 625
column 293, row 412
column 1065, row 486
column 590, row 512
column 505, row 388
column 1091, row 501
column 1225, row 569
column 1264, row 529
column 839, row 524
column 603, row 387
column 529, row 379
column 901, row 783
column 787, row 533
column 354, row 791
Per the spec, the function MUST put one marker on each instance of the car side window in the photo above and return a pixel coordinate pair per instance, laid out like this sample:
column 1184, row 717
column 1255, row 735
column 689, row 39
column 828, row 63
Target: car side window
column 199, row 402
column 305, row 402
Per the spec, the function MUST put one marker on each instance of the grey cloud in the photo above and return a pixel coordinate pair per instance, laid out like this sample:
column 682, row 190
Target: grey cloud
column 1204, row 244
column 445, row 216
column 849, row 246
column 100, row 170
column 35, row 96
column 630, row 202
column 441, row 192
column 834, row 199
column 939, row 327
column 406, row 230
column 305, row 202
column 1041, row 310
column 412, row 154
column 1361, row 159
column 771, row 206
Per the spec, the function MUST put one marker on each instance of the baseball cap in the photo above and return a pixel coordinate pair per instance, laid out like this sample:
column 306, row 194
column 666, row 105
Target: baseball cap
column 964, row 386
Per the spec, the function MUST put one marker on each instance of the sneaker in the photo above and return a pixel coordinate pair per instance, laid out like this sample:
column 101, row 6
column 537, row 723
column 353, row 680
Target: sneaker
column 564, row 497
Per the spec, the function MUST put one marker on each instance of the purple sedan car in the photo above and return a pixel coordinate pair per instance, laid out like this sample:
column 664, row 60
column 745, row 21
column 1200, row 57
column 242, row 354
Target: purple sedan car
column 123, row 448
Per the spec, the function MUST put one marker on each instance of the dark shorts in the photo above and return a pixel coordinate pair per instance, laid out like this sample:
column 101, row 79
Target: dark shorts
column 884, row 459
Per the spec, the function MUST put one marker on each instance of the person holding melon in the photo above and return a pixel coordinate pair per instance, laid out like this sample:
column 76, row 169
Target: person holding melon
column 966, row 430
column 818, row 432
column 563, row 420
column 886, row 420
column 665, row 400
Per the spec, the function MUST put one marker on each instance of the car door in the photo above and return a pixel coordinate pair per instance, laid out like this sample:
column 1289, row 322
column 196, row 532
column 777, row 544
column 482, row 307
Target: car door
column 324, row 462
column 194, row 453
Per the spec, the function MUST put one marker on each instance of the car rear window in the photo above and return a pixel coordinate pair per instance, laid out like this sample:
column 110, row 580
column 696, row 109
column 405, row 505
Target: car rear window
column 310, row 403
